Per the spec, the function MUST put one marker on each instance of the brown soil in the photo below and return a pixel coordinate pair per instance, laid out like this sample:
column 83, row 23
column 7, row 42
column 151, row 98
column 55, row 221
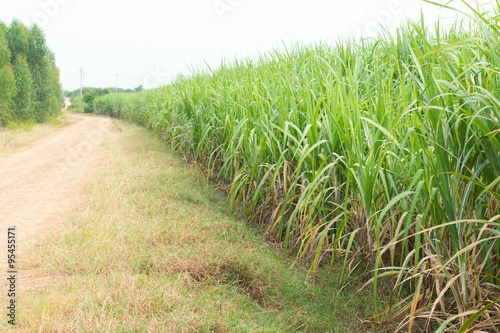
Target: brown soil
column 40, row 182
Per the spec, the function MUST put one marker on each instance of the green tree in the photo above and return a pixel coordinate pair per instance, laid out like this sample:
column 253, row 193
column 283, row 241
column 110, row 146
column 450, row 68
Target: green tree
column 49, row 93
column 56, row 91
column 37, row 50
column 18, row 37
column 55, row 82
column 7, row 94
column 24, row 90
column 41, row 71
column 37, row 92
column 4, row 47
column 88, row 98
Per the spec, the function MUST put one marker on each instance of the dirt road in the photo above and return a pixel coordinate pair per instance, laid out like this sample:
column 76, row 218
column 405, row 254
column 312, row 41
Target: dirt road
column 40, row 181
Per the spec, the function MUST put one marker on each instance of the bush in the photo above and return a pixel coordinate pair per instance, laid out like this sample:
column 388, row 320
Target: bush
column 77, row 105
column 88, row 99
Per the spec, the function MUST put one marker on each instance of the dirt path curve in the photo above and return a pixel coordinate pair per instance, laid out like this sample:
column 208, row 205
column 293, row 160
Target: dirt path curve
column 39, row 181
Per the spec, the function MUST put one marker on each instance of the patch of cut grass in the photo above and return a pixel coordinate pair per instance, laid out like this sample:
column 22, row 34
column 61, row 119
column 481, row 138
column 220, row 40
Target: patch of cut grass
column 153, row 248
column 15, row 136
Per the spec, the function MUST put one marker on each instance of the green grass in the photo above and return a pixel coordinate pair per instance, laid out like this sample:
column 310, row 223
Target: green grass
column 381, row 153
column 153, row 248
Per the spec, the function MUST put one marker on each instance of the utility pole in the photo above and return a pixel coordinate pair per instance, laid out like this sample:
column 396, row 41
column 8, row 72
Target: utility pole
column 116, row 86
column 81, row 70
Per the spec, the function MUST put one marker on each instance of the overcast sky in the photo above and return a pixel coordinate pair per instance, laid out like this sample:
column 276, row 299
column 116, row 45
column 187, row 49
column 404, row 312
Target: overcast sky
column 147, row 42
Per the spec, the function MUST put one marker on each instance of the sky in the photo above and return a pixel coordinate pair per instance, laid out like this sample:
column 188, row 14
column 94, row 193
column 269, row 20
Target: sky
column 148, row 42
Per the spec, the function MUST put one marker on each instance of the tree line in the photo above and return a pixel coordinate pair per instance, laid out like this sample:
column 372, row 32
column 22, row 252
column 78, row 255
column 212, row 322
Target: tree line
column 99, row 91
column 30, row 88
column 82, row 100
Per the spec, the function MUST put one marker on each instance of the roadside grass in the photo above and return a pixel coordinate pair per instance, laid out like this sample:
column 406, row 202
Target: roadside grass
column 152, row 247
column 15, row 136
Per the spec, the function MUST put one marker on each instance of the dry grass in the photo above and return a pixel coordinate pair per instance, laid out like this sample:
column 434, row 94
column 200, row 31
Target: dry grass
column 152, row 248
column 16, row 136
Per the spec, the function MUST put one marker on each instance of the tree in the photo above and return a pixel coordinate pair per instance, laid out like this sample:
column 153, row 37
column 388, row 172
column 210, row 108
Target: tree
column 18, row 37
column 37, row 50
column 30, row 86
column 41, row 62
column 4, row 48
column 7, row 79
column 56, row 89
column 24, row 90
column 7, row 94
column 88, row 98
column 48, row 98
